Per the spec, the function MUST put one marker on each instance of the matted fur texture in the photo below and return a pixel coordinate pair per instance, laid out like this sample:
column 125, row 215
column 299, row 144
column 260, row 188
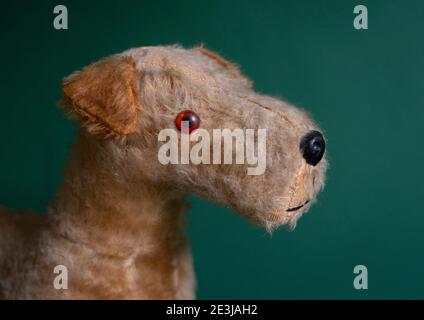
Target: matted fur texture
column 117, row 222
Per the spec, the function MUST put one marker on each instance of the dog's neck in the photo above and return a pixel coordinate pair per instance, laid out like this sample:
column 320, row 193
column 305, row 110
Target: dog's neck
column 107, row 212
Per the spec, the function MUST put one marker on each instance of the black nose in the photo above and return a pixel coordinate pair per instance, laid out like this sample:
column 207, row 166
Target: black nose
column 312, row 147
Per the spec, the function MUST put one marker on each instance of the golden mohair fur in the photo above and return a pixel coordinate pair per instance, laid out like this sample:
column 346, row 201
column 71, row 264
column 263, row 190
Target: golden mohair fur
column 117, row 221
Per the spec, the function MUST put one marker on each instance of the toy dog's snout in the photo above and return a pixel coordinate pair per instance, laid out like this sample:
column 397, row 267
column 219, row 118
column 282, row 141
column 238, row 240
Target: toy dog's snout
column 312, row 147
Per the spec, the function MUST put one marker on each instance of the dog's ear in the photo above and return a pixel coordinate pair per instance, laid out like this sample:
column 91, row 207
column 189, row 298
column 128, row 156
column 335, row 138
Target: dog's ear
column 233, row 68
column 215, row 56
column 105, row 96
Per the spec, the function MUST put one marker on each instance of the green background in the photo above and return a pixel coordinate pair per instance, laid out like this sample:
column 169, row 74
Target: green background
column 365, row 89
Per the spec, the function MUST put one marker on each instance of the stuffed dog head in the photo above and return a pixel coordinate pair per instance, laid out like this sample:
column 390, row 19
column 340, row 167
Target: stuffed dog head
column 256, row 154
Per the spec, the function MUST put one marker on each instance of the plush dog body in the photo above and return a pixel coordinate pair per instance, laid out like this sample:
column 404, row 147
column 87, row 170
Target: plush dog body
column 117, row 222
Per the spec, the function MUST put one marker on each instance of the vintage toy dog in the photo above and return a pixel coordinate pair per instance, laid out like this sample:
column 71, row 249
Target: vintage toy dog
column 117, row 222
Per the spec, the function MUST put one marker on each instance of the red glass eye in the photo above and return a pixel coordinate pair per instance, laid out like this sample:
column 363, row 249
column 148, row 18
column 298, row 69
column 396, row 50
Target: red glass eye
column 190, row 117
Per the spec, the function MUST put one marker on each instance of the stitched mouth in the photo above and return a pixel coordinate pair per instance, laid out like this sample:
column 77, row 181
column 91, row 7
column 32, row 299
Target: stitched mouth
column 298, row 207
